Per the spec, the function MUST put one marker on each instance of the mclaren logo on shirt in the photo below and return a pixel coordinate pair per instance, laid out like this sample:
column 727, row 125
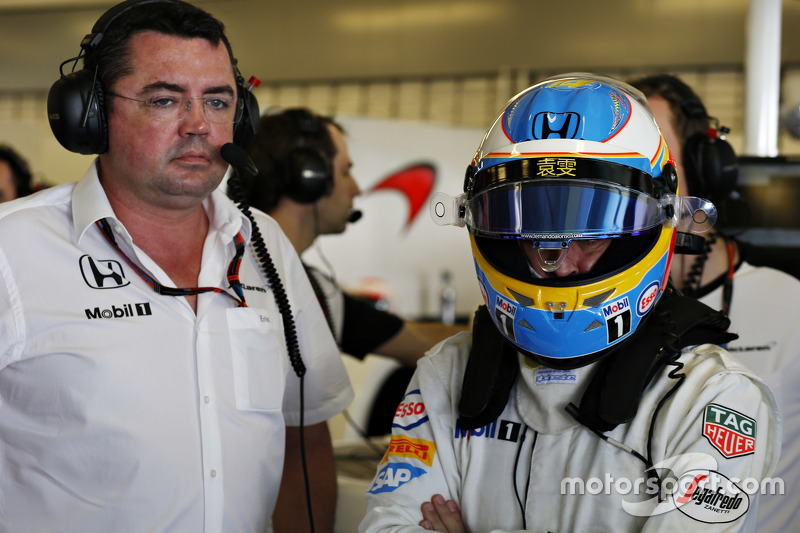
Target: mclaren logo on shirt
column 122, row 311
column 102, row 274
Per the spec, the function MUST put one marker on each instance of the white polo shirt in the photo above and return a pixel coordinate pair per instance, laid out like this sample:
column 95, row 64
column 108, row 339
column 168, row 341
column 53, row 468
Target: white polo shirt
column 123, row 410
column 765, row 314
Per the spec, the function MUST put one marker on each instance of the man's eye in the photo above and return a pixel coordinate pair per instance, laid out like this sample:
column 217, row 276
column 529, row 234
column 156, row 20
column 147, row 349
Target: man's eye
column 163, row 101
column 218, row 103
column 589, row 246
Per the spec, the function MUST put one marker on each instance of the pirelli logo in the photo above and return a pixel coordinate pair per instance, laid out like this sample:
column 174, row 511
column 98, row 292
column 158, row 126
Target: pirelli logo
column 402, row 446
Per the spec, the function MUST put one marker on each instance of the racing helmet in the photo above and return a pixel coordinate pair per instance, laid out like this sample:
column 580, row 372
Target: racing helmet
column 573, row 162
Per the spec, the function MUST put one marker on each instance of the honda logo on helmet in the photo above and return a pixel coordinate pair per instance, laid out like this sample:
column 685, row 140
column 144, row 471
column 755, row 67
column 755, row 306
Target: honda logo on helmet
column 557, row 125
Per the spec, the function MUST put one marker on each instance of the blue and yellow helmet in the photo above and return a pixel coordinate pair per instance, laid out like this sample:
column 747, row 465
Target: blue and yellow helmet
column 573, row 158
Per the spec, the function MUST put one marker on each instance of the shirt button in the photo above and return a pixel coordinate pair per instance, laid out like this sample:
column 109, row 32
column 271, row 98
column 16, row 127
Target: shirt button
column 213, row 473
column 206, row 399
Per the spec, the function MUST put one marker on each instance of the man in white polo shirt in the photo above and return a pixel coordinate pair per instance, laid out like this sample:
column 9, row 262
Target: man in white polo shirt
column 149, row 360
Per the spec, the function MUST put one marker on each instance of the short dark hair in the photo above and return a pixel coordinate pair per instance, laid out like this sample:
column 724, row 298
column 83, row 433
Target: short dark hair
column 171, row 17
column 279, row 134
column 689, row 115
column 20, row 171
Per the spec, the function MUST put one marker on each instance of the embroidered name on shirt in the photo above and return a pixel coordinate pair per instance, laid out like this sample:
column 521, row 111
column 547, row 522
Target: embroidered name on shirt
column 550, row 376
column 252, row 288
column 731, row 433
column 123, row 311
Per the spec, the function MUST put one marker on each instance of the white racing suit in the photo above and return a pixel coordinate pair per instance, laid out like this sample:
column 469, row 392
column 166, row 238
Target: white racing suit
column 535, row 468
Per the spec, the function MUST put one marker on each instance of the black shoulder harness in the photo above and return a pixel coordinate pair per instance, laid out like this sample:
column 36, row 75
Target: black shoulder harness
column 613, row 395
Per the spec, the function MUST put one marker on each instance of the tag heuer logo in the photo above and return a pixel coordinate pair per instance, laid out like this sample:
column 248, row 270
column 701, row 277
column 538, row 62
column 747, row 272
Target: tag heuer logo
column 732, row 434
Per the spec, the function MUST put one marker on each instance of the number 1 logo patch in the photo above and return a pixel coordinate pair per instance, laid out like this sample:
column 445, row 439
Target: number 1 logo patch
column 618, row 319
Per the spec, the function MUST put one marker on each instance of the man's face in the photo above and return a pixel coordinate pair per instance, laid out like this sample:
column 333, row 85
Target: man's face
column 579, row 258
column 8, row 191
column 663, row 115
column 167, row 164
column 334, row 209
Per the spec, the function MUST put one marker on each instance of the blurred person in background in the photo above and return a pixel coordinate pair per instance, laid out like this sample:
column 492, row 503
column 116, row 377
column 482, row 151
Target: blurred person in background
column 756, row 286
column 305, row 182
column 16, row 180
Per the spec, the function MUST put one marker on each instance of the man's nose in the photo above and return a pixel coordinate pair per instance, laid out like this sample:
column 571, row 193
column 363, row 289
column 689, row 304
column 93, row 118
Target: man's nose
column 576, row 262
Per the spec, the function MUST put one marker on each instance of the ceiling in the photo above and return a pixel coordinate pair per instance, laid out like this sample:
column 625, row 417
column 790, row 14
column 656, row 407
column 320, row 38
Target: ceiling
column 299, row 40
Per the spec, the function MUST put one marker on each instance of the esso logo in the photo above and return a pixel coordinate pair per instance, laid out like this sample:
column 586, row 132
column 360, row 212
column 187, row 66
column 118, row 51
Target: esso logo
column 647, row 298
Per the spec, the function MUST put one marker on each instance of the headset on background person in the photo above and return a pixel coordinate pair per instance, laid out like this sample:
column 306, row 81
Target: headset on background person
column 76, row 106
column 710, row 164
column 307, row 172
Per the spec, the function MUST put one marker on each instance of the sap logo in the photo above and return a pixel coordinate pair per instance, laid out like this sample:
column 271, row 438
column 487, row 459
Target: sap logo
column 126, row 310
column 393, row 475
column 103, row 274
column 616, row 308
column 647, row 298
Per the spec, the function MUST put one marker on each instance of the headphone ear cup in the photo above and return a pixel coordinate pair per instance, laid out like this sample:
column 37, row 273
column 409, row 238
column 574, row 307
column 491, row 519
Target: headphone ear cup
column 71, row 98
column 713, row 165
column 691, row 166
column 308, row 175
column 245, row 130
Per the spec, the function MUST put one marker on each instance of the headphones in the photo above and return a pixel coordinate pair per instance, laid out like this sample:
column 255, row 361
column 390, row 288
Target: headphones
column 307, row 171
column 76, row 106
column 709, row 162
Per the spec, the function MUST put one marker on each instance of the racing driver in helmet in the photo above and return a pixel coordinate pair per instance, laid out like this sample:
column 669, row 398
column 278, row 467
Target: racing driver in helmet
column 590, row 395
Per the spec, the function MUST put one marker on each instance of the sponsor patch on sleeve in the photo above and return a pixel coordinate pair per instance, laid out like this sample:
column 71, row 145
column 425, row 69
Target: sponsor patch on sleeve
column 393, row 476
column 402, row 446
column 411, row 412
column 730, row 432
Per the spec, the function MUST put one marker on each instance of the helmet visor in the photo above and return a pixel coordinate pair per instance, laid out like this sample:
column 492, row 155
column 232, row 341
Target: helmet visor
column 563, row 210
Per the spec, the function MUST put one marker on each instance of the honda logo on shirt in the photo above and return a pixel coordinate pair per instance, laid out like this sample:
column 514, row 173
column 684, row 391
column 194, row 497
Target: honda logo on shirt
column 555, row 125
column 102, row 274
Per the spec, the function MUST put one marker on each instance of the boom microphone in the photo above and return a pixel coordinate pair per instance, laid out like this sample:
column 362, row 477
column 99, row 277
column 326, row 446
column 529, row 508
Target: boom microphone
column 355, row 215
column 236, row 156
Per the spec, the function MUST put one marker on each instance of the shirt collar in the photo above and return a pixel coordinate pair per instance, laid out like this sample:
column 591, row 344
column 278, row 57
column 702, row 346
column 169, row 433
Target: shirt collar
column 90, row 204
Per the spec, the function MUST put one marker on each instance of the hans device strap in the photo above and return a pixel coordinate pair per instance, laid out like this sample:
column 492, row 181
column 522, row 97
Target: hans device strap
column 491, row 371
column 613, row 395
